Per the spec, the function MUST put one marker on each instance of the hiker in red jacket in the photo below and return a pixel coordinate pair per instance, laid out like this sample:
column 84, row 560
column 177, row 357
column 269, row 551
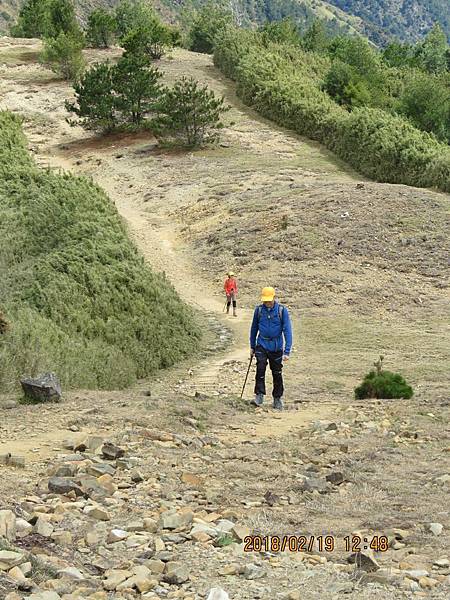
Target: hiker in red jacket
column 231, row 289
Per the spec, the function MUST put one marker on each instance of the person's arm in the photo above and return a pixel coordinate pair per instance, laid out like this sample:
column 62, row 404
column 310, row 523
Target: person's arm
column 254, row 330
column 287, row 332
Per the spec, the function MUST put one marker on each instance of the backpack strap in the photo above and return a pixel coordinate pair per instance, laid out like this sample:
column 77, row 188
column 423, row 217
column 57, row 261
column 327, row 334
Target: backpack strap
column 280, row 312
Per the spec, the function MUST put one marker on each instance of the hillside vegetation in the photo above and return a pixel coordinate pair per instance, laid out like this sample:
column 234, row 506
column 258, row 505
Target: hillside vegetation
column 77, row 296
column 378, row 19
column 408, row 20
column 343, row 96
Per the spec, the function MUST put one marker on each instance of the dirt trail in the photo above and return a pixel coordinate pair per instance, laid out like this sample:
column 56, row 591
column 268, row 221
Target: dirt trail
column 139, row 171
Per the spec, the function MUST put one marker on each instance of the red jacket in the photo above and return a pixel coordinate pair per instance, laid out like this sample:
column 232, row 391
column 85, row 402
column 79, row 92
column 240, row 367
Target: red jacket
column 230, row 286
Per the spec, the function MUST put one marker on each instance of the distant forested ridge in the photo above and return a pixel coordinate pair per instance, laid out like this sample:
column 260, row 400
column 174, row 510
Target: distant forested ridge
column 409, row 20
column 380, row 20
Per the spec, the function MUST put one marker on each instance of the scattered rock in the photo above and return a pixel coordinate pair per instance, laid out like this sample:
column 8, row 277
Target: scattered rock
column 176, row 573
column 335, row 477
column 7, row 525
column 217, row 594
column 252, row 571
column 442, row 563
column 9, row 559
column 435, row 528
column 64, row 485
column 44, row 388
column 95, row 512
column 117, row 535
column 170, row 520
column 364, row 561
column 111, row 451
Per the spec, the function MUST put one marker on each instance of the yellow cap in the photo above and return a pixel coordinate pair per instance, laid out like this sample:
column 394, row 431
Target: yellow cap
column 230, row 274
column 267, row 294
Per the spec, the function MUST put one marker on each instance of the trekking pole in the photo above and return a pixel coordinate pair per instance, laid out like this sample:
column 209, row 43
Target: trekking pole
column 246, row 377
column 225, row 306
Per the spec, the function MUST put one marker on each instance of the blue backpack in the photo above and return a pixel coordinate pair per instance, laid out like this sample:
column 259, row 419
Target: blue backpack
column 280, row 313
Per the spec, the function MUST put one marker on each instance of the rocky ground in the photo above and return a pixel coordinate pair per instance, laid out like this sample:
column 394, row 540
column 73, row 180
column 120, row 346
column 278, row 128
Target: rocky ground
column 193, row 470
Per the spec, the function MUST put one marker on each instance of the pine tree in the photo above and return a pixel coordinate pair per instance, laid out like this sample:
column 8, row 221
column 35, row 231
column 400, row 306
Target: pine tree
column 95, row 104
column 136, row 86
column 33, row 19
column 64, row 55
column 189, row 114
column 101, row 28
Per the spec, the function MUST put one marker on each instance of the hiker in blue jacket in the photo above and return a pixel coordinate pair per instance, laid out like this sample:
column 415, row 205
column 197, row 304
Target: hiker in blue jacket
column 271, row 323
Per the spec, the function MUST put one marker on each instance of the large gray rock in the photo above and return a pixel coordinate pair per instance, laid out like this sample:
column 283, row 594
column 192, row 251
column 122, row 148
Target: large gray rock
column 64, row 485
column 44, row 388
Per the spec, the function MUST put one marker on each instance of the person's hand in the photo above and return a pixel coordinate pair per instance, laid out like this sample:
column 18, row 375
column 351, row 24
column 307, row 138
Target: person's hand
column 252, row 353
column 285, row 358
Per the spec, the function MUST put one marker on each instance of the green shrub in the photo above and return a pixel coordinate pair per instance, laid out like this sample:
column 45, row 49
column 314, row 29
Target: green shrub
column 95, row 103
column 189, row 114
column 46, row 18
column 425, row 101
column 285, row 84
column 64, row 55
column 33, row 20
column 101, row 28
column 207, row 25
column 151, row 38
column 383, row 385
column 136, row 87
column 79, row 299
column 112, row 96
column 388, row 148
column 131, row 14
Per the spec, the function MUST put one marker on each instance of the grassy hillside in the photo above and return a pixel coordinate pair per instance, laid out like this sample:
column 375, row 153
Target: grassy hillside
column 77, row 296
column 378, row 19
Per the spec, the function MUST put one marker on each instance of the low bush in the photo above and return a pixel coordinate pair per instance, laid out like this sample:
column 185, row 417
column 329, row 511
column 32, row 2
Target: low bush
column 78, row 297
column 383, row 385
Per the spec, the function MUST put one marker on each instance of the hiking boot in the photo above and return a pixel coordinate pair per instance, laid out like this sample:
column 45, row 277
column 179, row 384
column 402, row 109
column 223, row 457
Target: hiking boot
column 259, row 399
column 277, row 404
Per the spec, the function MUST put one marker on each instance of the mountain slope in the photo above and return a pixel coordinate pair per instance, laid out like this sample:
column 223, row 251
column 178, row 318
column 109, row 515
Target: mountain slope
column 405, row 19
column 378, row 19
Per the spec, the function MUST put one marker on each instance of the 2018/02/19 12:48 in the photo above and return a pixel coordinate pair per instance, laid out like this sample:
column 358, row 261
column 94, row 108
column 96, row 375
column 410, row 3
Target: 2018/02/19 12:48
column 310, row 543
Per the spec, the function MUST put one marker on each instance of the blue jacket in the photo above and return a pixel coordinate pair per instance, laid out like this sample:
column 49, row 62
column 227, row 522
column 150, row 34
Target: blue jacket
column 268, row 331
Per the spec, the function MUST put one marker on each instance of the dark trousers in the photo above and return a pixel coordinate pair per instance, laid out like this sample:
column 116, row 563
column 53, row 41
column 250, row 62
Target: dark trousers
column 275, row 360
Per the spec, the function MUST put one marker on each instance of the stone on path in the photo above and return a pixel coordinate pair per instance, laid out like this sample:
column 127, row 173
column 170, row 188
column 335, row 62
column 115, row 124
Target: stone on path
column 44, row 388
column 117, row 535
column 218, row 594
column 364, row 561
column 7, row 525
column 71, row 573
column 97, row 513
column 44, row 596
column 435, row 528
column 9, row 559
column 176, row 573
column 64, row 485
column 111, row 451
